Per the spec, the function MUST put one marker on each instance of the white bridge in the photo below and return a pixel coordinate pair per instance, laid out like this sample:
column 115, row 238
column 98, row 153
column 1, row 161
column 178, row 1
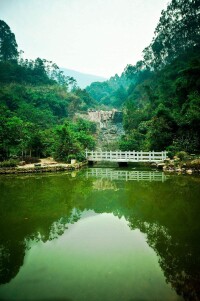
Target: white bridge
column 125, row 156
column 125, row 175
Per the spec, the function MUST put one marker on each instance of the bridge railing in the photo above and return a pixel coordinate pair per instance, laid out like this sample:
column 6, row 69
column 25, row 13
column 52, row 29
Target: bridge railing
column 126, row 156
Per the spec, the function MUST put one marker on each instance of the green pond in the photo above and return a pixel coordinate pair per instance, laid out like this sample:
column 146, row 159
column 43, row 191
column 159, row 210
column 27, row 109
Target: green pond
column 100, row 234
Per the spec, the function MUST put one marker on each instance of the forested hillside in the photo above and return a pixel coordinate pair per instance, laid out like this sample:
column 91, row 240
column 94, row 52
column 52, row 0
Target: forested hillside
column 160, row 95
column 37, row 103
column 111, row 93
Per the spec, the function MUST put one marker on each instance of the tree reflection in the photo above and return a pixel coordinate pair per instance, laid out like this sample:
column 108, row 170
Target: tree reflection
column 41, row 208
column 172, row 231
column 11, row 259
column 34, row 208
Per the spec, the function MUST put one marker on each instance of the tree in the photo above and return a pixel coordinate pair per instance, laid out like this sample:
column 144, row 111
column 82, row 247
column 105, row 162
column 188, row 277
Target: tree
column 161, row 130
column 73, row 139
column 66, row 143
column 177, row 31
column 8, row 44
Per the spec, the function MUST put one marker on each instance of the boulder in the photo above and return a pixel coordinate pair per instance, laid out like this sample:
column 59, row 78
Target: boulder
column 160, row 165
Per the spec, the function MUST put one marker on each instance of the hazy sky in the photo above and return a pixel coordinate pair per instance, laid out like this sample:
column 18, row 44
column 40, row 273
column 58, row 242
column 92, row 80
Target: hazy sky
column 93, row 36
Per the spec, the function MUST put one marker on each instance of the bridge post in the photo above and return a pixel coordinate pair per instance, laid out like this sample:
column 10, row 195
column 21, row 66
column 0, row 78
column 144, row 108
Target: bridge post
column 164, row 155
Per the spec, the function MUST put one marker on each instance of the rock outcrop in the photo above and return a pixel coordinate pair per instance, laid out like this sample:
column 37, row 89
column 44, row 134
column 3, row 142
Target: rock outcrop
column 109, row 125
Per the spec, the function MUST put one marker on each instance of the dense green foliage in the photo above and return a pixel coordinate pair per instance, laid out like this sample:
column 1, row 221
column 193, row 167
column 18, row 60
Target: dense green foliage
column 161, row 96
column 35, row 101
column 70, row 140
column 163, row 111
column 177, row 31
column 111, row 93
column 8, row 44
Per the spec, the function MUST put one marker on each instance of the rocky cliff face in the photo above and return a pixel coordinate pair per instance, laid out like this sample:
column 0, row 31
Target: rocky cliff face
column 109, row 125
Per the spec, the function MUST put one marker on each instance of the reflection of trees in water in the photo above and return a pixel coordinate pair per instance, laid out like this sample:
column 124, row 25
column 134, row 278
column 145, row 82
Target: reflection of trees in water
column 178, row 260
column 59, row 227
column 166, row 212
column 172, row 226
column 34, row 208
column 12, row 251
column 11, row 259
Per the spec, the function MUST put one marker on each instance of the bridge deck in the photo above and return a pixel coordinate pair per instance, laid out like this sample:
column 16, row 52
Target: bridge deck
column 128, row 156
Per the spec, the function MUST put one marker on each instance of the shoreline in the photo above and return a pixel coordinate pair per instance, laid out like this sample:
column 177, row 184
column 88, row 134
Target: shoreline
column 59, row 167
column 187, row 167
column 42, row 169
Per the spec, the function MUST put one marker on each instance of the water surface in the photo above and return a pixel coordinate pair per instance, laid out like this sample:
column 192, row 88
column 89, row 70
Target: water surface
column 99, row 234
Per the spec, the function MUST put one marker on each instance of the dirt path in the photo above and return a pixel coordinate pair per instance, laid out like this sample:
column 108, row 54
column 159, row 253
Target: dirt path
column 48, row 162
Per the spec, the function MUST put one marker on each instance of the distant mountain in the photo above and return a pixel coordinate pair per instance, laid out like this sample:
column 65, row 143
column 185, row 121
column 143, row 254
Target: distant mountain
column 83, row 79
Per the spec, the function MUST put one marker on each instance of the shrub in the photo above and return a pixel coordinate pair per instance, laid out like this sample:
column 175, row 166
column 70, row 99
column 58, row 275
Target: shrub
column 80, row 157
column 171, row 151
column 181, row 155
column 9, row 163
column 30, row 160
column 170, row 154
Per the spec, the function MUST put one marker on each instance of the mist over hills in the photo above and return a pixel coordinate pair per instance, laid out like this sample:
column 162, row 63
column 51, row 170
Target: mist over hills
column 83, row 79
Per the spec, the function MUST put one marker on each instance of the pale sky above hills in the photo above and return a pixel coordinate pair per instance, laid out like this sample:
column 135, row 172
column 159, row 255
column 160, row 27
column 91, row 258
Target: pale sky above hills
column 93, row 36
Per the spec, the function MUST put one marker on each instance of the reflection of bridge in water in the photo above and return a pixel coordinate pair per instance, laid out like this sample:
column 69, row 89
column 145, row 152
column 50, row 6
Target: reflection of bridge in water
column 126, row 175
